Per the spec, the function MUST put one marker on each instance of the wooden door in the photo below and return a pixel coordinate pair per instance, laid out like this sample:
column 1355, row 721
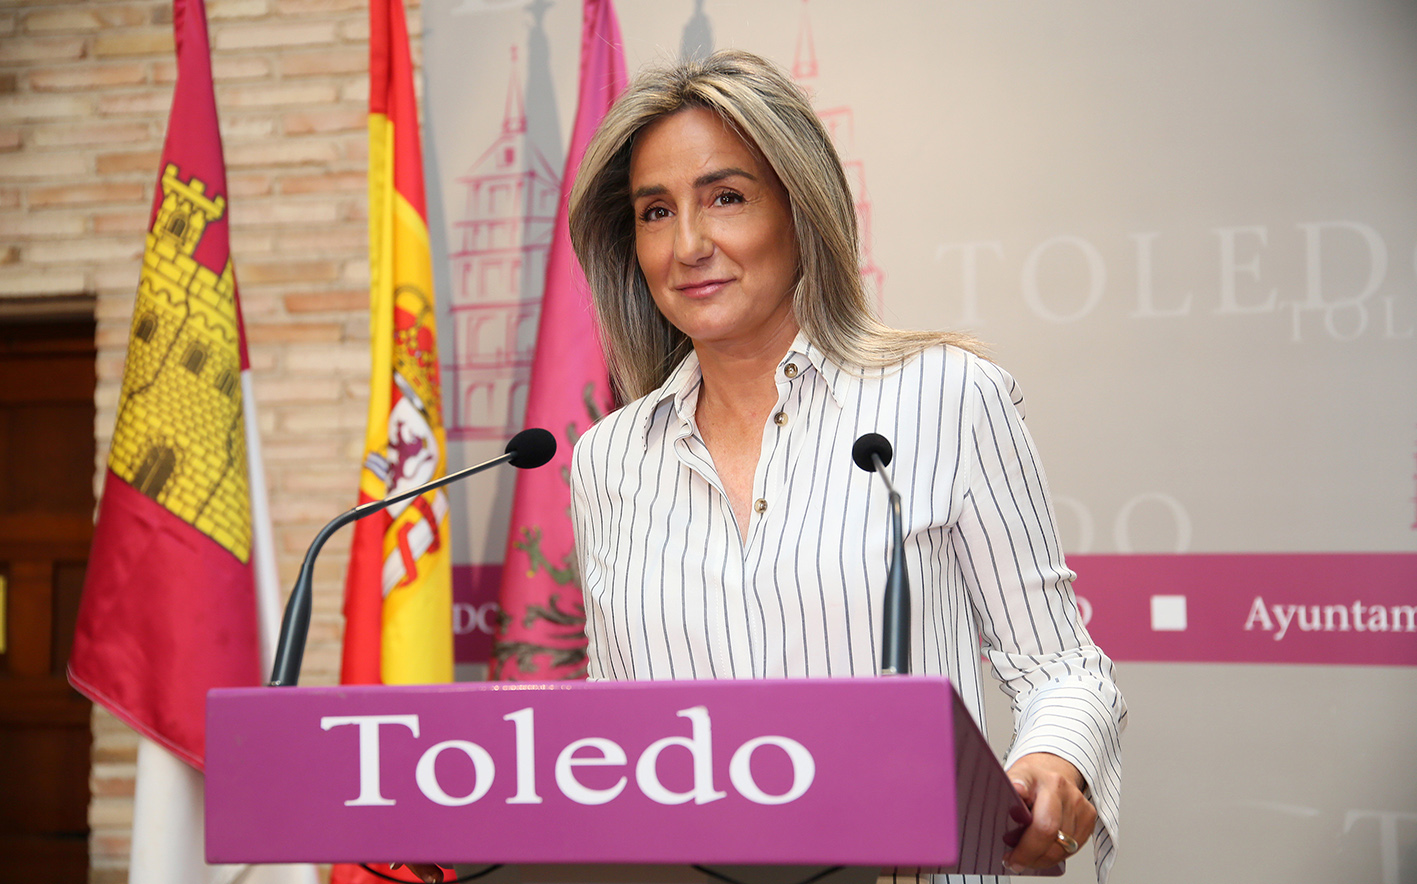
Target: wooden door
column 46, row 522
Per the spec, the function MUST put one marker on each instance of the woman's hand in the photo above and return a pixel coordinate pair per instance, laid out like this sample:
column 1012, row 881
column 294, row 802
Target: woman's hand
column 426, row 872
column 1062, row 816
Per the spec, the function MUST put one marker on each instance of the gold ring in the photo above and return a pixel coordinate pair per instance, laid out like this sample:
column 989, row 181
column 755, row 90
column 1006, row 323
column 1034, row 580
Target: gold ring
column 1070, row 844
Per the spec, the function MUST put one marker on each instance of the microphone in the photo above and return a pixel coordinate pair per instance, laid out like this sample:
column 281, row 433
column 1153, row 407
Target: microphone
column 871, row 453
column 527, row 450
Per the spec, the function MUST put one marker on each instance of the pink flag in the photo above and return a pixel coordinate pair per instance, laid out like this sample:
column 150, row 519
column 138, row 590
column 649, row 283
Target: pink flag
column 541, row 635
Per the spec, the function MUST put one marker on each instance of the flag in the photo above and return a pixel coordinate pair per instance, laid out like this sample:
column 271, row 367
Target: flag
column 398, row 607
column 398, row 592
column 541, row 630
column 181, row 572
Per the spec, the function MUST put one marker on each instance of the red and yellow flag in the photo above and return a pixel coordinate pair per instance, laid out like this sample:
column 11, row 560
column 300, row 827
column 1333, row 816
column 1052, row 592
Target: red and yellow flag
column 398, row 593
column 169, row 606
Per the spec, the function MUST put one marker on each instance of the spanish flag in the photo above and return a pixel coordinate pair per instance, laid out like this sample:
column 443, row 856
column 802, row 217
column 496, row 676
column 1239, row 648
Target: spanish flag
column 398, row 592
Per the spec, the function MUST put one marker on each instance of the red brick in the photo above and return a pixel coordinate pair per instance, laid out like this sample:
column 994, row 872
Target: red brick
column 286, row 152
column 24, row 108
column 45, row 164
column 41, row 225
column 293, row 333
column 146, row 161
column 329, row 182
column 125, row 43
column 306, row 7
column 86, row 19
column 149, row 104
column 327, row 302
column 325, row 62
column 263, row 36
column 226, row 10
column 248, row 185
column 257, row 273
column 81, row 134
column 75, row 78
column 298, row 95
column 330, row 241
column 133, row 222
column 10, row 139
column 351, row 119
column 44, row 50
column 84, row 194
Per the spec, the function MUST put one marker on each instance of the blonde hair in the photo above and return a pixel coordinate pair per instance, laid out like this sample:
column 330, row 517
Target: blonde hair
column 759, row 101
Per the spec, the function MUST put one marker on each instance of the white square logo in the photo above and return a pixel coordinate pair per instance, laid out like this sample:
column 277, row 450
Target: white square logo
column 1168, row 613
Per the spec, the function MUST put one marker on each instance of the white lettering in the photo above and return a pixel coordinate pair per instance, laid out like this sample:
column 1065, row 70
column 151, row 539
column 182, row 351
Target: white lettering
column 1314, row 294
column 610, row 755
column 524, row 722
column 1401, row 611
column 740, row 770
column 1146, row 299
column 468, row 618
column 1258, row 614
column 1121, row 529
column 426, row 774
column 1390, row 325
column 369, row 794
column 1231, row 268
column 700, row 747
column 969, row 267
column 1097, row 279
column 1084, row 609
column 1388, row 843
column 1284, row 614
column 1083, row 542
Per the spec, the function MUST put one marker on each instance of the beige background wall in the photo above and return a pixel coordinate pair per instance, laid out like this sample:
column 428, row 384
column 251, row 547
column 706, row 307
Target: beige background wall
column 1235, row 773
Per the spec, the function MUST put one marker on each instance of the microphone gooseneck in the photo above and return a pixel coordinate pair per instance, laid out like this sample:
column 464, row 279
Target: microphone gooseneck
column 871, row 453
column 527, row 450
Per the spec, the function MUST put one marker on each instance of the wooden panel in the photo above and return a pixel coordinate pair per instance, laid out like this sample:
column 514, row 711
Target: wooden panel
column 46, row 523
column 30, row 618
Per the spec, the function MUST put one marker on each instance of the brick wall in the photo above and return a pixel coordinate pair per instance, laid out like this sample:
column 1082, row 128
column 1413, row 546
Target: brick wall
column 84, row 95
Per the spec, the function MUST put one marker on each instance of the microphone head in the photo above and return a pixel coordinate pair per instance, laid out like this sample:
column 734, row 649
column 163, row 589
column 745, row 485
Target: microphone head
column 531, row 448
column 867, row 445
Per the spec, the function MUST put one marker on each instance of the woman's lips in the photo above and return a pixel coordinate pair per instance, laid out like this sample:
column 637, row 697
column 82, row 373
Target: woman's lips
column 702, row 289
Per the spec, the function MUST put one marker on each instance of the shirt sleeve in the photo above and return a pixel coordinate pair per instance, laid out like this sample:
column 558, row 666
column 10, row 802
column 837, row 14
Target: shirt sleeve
column 1065, row 699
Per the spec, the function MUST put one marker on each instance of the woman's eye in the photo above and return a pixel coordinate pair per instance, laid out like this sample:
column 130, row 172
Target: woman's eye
column 728, row 198
column 654, row 213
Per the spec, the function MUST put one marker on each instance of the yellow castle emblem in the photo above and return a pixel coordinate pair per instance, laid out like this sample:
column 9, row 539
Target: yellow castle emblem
column 180, row 437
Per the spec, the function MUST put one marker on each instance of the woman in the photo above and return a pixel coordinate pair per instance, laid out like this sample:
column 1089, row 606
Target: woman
column 719, row 520
column 721, row 527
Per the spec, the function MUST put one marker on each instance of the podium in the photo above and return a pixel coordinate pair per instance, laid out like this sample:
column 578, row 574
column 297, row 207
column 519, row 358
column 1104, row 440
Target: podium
column 870, row 772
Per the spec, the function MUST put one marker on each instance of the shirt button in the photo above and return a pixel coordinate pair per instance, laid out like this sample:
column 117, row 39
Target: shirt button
column 760, row 506
column 780, row 418
column 790, row 369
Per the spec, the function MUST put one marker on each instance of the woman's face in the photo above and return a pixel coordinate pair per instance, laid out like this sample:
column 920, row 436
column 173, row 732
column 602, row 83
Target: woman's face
column 713, row 233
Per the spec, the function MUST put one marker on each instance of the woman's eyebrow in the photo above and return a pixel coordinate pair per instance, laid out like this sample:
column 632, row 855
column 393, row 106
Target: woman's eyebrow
column 703, row 180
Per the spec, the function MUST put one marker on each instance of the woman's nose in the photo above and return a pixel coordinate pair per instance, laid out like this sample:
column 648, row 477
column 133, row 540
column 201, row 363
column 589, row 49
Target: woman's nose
column 691, row 242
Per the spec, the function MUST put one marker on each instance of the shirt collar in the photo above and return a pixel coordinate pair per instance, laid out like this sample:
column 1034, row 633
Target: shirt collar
column 682, row 385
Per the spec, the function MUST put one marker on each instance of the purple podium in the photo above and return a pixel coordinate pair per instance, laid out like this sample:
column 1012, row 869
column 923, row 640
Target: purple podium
column 835, row 772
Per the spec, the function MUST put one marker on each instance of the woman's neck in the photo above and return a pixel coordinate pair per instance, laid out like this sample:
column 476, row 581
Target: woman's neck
column 740, row 381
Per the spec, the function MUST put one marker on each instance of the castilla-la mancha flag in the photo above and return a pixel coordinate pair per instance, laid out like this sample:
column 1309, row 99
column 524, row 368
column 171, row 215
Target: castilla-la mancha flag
column 541, row 630
column 181, row 588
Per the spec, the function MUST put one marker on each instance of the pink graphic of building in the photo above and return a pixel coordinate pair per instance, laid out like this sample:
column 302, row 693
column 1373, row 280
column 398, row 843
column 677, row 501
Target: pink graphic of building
column 497, row 254
column 840, row 124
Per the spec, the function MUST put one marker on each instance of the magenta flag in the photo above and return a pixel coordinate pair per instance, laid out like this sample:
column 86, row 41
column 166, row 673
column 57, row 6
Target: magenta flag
column 541, row 633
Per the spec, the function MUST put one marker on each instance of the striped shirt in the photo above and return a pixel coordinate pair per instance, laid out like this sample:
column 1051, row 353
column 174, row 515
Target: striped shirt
column 673, row 591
